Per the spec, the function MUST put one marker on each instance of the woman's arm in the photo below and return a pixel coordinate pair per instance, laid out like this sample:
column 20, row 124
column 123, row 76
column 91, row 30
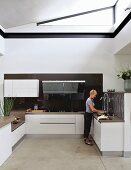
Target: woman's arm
column 93, row 109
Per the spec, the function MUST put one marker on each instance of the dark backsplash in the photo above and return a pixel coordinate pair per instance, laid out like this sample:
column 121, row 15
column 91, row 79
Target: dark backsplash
column 116, row 104
column 60, row 102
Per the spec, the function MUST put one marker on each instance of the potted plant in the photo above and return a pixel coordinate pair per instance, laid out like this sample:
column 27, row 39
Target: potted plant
column 125, row 74
column 6, row 106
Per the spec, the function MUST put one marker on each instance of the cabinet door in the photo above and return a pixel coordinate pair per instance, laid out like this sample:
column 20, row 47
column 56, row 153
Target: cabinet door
column 25, row 88
column 79, row 124
column 5, row 144
column 21, row 88
column 112, row 136
column 97, row 133
column 50, row 124
column 8, row 88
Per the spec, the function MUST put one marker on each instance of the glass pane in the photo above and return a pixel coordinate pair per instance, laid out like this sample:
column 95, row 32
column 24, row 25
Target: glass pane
column 52, row 87
column 70, row 87
column 104, row 17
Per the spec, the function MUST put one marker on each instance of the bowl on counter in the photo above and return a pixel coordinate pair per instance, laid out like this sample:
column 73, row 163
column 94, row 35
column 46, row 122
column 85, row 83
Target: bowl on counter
column 103, row 112
column 17, row 120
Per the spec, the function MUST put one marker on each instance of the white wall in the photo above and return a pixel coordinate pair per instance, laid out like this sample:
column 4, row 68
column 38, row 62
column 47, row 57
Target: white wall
column 61, row 28
column 2, row 45
column 2, row 50
column 123, row 38
column 91, row 55
column 68, row 55
column 120, row 10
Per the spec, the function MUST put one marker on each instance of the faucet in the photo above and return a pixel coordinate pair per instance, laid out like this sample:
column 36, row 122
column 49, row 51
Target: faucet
column 106, row 102
column 102, row 98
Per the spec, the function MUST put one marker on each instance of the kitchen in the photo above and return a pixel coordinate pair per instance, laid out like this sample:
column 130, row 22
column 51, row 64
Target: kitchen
column 28, row 61
column 67, row 117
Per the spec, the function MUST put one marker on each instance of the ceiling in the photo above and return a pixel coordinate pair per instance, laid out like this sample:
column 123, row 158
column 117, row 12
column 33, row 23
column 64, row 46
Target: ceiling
column 14, row 13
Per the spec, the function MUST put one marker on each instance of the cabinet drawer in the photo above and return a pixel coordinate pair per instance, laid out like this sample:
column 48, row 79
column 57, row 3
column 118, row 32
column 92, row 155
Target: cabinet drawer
column 50, row 124
column 37, row 128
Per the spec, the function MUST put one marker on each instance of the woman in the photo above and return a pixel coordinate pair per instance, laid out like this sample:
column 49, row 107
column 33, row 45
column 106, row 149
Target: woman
column 88, row 116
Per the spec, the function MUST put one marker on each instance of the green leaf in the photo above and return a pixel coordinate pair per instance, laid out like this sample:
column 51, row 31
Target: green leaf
column 7, row 105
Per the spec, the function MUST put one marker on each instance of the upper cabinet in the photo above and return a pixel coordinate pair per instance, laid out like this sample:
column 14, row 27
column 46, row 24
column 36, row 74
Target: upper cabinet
column 21, row 88
column 2, row 45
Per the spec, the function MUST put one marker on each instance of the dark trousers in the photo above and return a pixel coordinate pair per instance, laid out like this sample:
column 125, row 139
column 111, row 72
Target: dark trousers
column 87, row 124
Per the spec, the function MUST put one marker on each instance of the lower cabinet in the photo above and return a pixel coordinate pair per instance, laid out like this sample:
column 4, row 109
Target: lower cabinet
column 108, row 136
column 54, row 124
column 8, row 140
column 80, row 124
column 97, row 133
column 17, row 134
column 5, row 143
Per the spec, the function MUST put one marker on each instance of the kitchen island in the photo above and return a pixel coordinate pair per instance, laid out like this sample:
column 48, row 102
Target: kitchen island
column 108, row 135
column 8, row 137
column 5, row 138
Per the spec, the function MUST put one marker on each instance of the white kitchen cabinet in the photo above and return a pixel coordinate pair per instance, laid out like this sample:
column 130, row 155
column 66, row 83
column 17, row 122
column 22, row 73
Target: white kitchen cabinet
column 5, row 143
column 97, row 133
column 50, row 124
column 80, row 124
column 2, row 45
column 108, row 136
column 127, row 124
column 17, row 134
column 8, row 88
column 21, row 88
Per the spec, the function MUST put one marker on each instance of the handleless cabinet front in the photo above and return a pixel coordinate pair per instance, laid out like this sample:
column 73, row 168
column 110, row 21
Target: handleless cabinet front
column 50, row 124
column 21, row 88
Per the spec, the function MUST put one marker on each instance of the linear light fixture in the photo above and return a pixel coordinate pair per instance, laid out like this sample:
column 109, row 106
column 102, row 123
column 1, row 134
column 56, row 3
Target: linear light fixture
column 67, row 81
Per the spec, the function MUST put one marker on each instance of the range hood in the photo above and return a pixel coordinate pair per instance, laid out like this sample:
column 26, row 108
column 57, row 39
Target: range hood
column 63, row 87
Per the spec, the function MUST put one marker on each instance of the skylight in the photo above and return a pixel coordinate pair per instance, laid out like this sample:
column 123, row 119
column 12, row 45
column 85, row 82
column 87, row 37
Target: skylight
column 85, row 12
column 104, row 17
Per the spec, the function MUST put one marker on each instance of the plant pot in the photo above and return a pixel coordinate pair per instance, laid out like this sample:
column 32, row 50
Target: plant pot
column 127, row 85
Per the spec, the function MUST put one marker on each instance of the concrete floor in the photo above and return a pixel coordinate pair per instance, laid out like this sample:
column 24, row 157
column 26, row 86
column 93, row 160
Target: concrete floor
column 61, row 154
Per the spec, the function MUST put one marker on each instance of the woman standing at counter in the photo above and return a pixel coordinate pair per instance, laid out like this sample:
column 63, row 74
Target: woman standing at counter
column 88, row 116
